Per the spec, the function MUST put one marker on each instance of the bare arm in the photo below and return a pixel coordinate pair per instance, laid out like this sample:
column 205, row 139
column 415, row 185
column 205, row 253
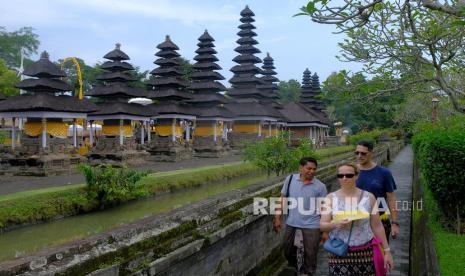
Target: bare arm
column 391, row 201
column 277, row 216
column 326, row 225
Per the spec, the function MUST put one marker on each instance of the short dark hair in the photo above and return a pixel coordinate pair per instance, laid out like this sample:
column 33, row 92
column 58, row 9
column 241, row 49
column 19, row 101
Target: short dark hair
column 306, row 160
column 366, row 143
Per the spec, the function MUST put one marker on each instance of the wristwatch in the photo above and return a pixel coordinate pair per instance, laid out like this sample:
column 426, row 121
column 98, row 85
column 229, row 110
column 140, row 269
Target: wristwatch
column 395, row 222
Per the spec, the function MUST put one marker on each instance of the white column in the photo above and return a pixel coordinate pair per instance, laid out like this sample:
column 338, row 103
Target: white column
column 74, row 134
column 121, row 141
column 188, row 131
column 269, row 129
column 173, row 130
column 91, row 134
column 277, row 131
column 149, row 132
column 310, row 133
column 142, row 134
column 225, row 131
column 13, row 135
column 44, row 133
column 259, row 129
column 214, row 131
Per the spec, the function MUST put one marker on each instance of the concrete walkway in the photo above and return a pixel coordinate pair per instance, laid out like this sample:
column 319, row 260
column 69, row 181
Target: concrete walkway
column 13, row 184
column 402, row 170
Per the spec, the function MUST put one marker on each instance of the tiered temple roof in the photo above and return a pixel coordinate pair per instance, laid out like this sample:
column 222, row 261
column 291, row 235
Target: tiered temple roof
column 205, row 85
column 166, row 84
column 244, row 82
column 269, row 86
column 249, row 99
column 311, row 90
column 41, row 93
column 116, row 89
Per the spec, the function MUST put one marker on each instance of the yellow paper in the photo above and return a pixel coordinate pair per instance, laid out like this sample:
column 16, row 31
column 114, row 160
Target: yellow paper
column 350, row 215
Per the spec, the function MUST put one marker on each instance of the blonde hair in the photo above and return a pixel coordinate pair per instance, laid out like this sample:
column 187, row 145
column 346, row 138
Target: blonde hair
column 348, row 164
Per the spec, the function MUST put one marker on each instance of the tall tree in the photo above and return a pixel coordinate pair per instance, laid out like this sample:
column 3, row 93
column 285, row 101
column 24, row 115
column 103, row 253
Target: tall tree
column 289, row 91
column 348, row 99
column 8, row 79
column 12, row 42
column 421, row 43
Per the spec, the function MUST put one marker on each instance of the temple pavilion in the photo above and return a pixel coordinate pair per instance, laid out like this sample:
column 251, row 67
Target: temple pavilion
column 213, row 119
column 306, row 118
column 46, row 109
column 117, row 143
column 249, row 103
column 269, row 87
column 174, row 120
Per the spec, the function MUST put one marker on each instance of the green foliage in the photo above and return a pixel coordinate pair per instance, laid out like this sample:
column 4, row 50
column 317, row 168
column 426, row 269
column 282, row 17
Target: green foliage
column 274, row 154
column 449, row 246
column 3, row 136
column 289, row 91
column 440, row 150
column 8, row 79
column 354, row 100
column 88, row 73
column 11, row 43
column 372, row 136
column 110, row 185
column 186, row 69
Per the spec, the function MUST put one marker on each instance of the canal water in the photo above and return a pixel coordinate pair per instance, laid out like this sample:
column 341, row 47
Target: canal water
column 29, row 239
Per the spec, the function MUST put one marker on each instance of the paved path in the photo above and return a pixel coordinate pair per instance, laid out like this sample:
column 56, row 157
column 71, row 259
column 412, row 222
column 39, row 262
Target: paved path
column 12, row 184
column 402, row 170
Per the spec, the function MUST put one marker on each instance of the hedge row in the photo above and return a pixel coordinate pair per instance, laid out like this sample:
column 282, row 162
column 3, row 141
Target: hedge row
column 440, row 150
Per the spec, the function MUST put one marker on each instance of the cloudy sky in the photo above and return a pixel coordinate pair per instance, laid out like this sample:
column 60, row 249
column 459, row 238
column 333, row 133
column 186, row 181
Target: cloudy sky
column 88, row 29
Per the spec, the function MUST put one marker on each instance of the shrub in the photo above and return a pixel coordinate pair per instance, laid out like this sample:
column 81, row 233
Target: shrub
column 110, row 185
column 440, row 150
column 372, row 135
column 274, row 154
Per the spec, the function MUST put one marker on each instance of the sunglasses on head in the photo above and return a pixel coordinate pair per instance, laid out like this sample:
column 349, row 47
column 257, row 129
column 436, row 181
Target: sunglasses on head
column 360, row 153
column 347, row 175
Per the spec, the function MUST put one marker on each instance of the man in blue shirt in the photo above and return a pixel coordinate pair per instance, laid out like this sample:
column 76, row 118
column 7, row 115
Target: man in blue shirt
column 303, row 188
column 377, row 180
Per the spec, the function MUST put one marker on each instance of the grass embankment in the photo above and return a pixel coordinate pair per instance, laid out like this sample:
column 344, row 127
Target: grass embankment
column 449, row 246
column 332, row 151
column 47, row 204
column 34, row 206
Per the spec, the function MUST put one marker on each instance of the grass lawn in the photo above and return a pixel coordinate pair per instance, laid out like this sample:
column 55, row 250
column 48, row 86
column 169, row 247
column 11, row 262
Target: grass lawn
column 450, row 247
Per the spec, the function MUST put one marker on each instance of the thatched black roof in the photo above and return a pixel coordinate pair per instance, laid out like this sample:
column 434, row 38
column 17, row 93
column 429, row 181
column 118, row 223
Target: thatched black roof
column 206, row 66
column 167, row 44
column 166, row 82
column 214, row 111
column 116, row 66
column 252, row 109
column 117, row 90
column 44, row 68
column 167, row 62
column 172, row 108
column 247, row 48
column 269, row 86
column 300, row 113
column 116, row 76
column 247, row 12
column 169, row 95
column 167, row 54
column 207, row 97
column 116, row 54
column 122, row 108
column 207, row 86
column 310, row 91
column 116, row 86
column 169, row 71
column 44, row 85
column 46, row 102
